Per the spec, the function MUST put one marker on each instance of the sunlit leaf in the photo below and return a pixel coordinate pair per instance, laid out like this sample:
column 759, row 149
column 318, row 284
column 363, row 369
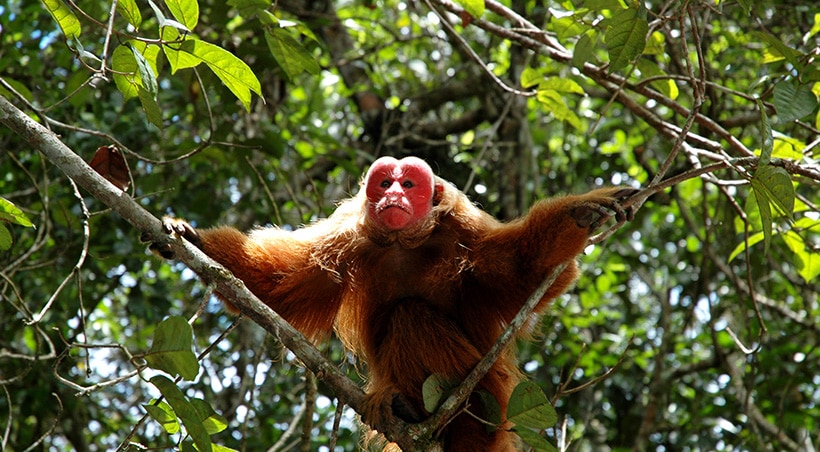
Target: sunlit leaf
column 233, row 72
column 12, row 214
column 131, row 12
column 185, row 11
column 474, row 7
column 64, row 17
column 164, row 415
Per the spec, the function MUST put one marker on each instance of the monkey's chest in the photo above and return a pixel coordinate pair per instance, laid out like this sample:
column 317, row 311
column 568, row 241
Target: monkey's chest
column 394, row 273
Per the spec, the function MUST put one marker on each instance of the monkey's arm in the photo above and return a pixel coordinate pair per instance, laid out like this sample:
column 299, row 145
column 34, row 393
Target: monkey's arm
column 276, row 266
column 512, row 259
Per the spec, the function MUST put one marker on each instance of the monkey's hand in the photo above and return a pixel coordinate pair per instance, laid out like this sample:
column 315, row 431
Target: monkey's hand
column 597, row 206
column 172, row 226
column 380, row 405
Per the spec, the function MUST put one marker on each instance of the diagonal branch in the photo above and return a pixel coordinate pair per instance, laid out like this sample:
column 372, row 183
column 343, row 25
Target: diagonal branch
column 229, row 286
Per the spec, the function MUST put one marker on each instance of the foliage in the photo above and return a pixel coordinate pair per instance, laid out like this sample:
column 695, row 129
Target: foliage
column 692, row 327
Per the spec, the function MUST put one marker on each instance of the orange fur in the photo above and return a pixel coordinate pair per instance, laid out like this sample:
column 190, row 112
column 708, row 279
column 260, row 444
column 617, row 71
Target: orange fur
column 428, row 299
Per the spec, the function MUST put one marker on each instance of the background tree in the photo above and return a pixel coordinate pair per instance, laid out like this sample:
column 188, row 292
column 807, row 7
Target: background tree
column 693, row 327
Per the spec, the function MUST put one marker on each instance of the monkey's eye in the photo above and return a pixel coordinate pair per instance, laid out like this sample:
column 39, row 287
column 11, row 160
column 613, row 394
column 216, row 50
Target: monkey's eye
column 385, row 184
column 407, row 184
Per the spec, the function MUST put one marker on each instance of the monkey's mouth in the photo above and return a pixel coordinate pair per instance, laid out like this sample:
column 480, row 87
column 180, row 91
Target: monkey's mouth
column 387, row 206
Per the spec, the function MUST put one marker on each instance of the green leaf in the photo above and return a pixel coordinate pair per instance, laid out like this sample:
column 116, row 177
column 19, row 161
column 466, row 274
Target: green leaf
column 127, row 74
column 530, row 408
column 185, row 11
column 164, row 21
column 150, row 106
column 12, row 214
column 186, row 412
column 5, row 238
column 213, row 422
column 805, row 259
column 584, row 49
column 535, row 440
column 177, row 59
column 554, row 103
column 561, row 85
column 164, row 415
column 131, row 12
column 779, row 49
column 147, row 75
column 292, row 56
column 474, row 7
column 530, row 77
column 64, row 17
column 766, row 133
column 433, row 391
column 741, row 247
column 233, row 72
column 793, row 101
column 171, row 350
column 626, row 37
column 771, row 186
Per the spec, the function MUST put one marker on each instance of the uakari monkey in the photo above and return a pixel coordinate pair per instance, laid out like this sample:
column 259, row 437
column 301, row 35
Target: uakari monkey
column 416, row 280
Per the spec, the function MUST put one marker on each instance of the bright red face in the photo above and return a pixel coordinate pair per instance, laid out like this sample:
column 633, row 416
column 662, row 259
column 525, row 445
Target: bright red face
column 399, row 192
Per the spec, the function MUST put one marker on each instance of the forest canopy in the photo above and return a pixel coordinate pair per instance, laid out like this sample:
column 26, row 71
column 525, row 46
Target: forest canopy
column 692, row 327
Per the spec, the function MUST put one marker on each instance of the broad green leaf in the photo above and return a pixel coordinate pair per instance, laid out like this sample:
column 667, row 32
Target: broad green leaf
column 127, row 73
column 171, row 350
column 567, row 27
column 584, row 49
column 474, row 7
column 555, row 104
column 150, row 106
column 793, row 101
column 491, row 410
column 777, row 184
column 805, row 259
column 124, row 66
column 131, row 12
column 778, row 49
column 433, row 391
column 530, row 77
column 292, row 56
column 213, row 422
column 185, row 11
column 741, row 247
column 177, row 59
column 626, row 38
column 186, row 412
column 164, row 415
column 562, row 85
column 64, row 17
column 535, row 440
column 233, row 72
column 164, row 21
column 12, row 214
column 650, row 69
column 530, row 408
column 786, row 147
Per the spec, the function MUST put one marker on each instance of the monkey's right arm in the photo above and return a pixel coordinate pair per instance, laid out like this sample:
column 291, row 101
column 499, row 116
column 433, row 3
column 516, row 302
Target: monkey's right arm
column 275, row 265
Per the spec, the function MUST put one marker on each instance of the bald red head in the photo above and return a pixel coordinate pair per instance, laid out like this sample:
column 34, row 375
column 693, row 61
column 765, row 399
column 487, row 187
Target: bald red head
column 399, row 192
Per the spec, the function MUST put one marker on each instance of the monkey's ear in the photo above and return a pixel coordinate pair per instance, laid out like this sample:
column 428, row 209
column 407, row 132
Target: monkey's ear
column 438, row 193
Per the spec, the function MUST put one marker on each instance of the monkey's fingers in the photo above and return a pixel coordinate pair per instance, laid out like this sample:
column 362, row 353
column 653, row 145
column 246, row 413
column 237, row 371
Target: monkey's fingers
column 182, row 229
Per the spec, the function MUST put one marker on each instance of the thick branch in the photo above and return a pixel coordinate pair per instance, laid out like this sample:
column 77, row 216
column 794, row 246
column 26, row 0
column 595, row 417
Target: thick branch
column 226, row 284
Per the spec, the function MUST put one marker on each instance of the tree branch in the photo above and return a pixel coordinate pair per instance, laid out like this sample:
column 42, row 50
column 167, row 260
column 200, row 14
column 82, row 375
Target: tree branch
column 229, row 286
